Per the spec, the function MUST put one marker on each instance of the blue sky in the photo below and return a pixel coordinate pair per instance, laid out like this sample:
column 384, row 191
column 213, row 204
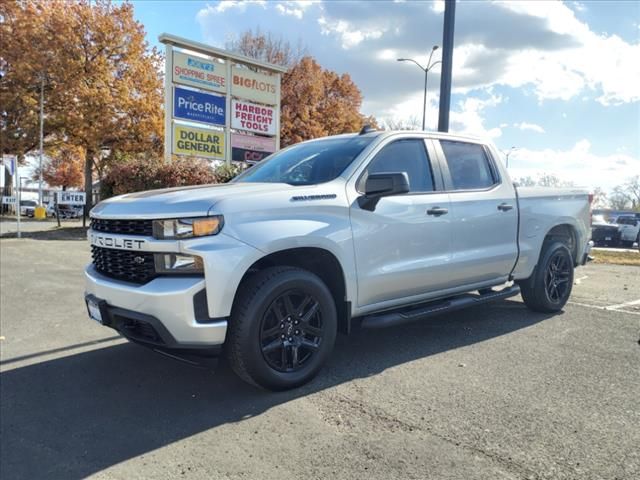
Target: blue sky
column 558, row 80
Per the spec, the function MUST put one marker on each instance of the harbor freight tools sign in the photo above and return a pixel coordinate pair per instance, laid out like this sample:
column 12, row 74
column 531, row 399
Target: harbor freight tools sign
column 198, row 106
column 255, row 86
column 253, row 118
column 210, row 95
column 250, row 148
column 198, row 142
column 71, row 198
column 199, row 72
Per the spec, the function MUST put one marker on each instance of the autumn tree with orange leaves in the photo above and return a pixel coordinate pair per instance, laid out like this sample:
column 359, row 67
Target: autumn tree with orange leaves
column 63, row 167
column 315, row 102
column 102, row 82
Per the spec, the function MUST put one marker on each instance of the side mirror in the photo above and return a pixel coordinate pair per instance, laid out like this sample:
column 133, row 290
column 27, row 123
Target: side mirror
column 380, row 185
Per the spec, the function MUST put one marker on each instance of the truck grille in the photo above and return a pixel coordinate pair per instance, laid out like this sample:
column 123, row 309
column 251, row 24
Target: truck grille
column 135, row 267
column 124, row 227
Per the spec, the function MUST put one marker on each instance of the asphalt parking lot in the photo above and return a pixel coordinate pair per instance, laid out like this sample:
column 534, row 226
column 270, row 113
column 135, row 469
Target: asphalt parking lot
column 488, row 393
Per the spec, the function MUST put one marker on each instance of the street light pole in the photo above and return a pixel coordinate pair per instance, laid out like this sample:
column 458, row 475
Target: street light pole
column 426, row 78
column 447, row 65
column 507, row 153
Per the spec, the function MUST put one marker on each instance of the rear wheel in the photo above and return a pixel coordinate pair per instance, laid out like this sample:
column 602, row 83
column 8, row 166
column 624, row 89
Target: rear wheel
column 549, row 287
column 282, row 328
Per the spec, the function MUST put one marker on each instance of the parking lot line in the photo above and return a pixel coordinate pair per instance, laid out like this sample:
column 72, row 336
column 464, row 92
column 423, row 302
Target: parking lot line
column 578, row 281
column 625, row 304
column 609, row 308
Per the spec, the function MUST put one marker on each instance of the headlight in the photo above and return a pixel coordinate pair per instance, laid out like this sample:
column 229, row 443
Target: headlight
column 178, row 263
column 187, row 227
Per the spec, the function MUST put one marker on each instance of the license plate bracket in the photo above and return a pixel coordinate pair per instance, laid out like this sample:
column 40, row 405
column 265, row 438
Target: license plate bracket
column 96, row 308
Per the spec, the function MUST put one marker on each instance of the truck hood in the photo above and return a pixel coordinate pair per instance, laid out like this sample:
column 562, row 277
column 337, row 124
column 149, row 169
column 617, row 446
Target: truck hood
column 178, row 202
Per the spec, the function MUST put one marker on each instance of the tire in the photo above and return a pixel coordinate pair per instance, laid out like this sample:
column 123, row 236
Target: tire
column 538, row 291
column 281, row 309
column 626, row 244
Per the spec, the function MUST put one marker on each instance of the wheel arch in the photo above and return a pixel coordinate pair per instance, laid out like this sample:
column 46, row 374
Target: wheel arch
column 565, row 233
column 318, row 261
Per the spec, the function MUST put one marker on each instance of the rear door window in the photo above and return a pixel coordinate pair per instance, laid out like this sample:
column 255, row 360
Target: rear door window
column 468, row 165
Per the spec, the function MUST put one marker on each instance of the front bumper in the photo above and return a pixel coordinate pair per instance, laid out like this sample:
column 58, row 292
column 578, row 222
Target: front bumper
column 167, row 312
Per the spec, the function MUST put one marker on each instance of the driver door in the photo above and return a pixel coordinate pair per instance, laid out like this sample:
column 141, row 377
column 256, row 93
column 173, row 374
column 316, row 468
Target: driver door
column 402, row 247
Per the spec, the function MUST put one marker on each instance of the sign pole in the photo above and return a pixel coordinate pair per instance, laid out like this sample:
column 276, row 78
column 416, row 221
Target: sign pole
column 227, row 126
column 15, row 169
column 168, row 94
column 279, row 77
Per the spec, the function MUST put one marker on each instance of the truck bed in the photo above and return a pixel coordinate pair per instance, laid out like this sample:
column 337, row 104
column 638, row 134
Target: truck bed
column 540, row 209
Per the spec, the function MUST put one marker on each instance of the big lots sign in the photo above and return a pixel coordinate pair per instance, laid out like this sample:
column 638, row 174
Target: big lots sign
column 253, row 118
column 255, row 86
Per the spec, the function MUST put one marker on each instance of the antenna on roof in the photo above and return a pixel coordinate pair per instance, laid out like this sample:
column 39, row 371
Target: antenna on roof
column 367, row 129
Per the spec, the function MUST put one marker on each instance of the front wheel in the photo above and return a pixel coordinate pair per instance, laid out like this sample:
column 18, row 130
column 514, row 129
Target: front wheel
column 282, row 328
column 549, row 287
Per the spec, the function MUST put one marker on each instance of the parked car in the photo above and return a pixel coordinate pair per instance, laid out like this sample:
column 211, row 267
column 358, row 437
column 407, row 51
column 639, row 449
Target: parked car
column 51, row 210
column 28, row 207
column 372, row 229
column 629, row 226
column 603, row 233
column 69, row 211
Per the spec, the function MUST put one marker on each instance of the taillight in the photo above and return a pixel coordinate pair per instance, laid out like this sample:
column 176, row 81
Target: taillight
column 590, row 209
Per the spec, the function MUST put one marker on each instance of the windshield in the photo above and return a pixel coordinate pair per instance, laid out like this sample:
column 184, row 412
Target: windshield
column 308, row 163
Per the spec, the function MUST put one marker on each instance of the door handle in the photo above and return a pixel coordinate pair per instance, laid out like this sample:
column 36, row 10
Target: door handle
column 505, row 207
column 437, row 211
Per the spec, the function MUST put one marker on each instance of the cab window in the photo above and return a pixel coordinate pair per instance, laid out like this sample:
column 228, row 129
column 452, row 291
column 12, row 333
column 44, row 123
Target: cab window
column 407, row 155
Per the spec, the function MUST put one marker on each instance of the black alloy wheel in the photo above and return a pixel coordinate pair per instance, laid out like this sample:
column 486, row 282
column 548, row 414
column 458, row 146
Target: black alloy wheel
column 557, row 276
column 291, row 331
column 282, row 328
column 549, row 286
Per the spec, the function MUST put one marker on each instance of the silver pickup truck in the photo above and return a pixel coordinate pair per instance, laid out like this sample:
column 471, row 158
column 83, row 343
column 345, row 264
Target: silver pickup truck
column 369, row 230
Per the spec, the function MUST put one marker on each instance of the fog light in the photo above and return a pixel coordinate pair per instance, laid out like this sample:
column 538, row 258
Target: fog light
column 178, row 263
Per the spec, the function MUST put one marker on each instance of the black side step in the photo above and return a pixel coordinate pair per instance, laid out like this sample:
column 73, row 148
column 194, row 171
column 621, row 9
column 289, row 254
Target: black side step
column 424, row 310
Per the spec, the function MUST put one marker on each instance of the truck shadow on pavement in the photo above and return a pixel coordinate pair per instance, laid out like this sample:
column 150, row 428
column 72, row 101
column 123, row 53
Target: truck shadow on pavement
column 75, row 416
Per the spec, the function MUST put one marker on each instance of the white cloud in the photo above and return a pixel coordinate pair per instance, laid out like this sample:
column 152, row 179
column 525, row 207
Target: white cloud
column 597, row 61
column 579, row 6
column 466, row 117
column 529, row 126
column 225, row 5
column 295, row 8
column 387, row 54
column 438, row 6
column 350, row 36
column 541, row 44
column 578, row 165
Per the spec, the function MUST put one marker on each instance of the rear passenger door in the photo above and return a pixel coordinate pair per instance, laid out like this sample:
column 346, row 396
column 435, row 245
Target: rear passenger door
column 484, row 213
